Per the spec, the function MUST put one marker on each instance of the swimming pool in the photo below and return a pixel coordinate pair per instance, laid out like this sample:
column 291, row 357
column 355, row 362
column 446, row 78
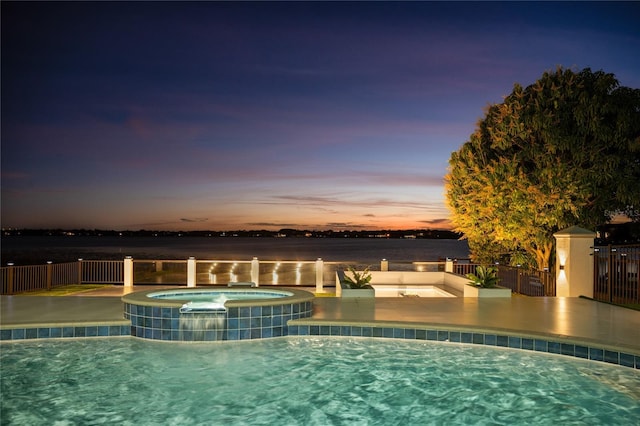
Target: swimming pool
column 306, row 381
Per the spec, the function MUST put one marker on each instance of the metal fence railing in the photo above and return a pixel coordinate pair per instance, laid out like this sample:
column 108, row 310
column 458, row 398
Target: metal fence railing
column 527, row 282
column 101, row 272
column 519, row 280
column 19, row 279
column 64, row 273
column 616, row 273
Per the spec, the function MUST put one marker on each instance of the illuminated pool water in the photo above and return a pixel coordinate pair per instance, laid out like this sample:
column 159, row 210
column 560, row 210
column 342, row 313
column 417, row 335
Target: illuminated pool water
column 306, row 381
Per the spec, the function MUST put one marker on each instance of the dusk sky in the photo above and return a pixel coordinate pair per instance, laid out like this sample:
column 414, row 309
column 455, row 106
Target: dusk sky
column 225, row 116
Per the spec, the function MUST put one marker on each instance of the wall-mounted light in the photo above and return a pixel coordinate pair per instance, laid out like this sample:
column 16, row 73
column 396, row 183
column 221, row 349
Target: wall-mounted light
column 562, row 267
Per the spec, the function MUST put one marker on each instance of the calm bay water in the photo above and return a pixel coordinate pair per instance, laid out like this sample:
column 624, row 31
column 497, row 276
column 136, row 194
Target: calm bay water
column 23, row 250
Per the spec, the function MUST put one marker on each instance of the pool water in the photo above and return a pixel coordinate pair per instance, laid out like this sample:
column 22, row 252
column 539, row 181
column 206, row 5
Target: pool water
column 306, row 381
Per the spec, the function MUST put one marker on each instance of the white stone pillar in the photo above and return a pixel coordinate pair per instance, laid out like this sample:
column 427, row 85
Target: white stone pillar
column 49, row 274
column 384, row 265
column 574, row 262
column 319, row 275
column 128, row 272
column 80, row 271
column 448, row 265
column 10, row 275
column 191, row 272
column 255, row 271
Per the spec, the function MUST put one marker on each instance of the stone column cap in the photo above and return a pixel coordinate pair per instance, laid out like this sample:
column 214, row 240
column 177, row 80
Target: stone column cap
column 575, row 231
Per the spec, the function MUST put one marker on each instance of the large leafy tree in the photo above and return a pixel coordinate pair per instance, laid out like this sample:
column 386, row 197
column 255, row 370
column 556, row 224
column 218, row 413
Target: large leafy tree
column 563, row 151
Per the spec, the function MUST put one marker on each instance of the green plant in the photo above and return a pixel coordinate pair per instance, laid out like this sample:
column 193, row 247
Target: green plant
column 357, row 279
column 522, row 259
column 485, row 277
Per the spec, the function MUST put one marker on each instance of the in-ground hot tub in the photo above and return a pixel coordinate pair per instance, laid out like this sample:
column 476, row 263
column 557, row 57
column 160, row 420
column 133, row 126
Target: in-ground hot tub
column 209, row 314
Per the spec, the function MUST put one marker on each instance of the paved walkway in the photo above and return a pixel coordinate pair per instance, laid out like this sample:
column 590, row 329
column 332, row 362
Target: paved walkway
column 572, row 319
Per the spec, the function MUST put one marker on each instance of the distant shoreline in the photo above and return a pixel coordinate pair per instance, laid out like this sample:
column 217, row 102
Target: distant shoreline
column 282, row 233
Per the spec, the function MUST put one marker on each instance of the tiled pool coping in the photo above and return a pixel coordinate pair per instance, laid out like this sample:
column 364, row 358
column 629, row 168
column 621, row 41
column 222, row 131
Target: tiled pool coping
column 63, row 331
column 487, row 338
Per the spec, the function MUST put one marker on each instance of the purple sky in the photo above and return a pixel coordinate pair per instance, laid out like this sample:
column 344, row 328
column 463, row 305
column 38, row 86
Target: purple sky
column 213, row 115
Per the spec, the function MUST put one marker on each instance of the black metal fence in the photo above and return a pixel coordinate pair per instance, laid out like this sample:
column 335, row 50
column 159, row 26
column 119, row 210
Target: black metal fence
column 616, row 273
column 527, row 282
column 519, row 280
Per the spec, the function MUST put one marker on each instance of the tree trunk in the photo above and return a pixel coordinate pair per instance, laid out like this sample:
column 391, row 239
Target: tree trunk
column 543, row 255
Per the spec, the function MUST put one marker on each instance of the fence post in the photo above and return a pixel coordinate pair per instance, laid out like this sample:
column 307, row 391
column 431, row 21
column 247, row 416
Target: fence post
column 637, row 268
column 191, row 272
column 10, row 276
column 79, row 271
column 128, row 272
column 255, row 271
column 610, row 275
column 319, row 275
column 384, row 265
column 49, row 274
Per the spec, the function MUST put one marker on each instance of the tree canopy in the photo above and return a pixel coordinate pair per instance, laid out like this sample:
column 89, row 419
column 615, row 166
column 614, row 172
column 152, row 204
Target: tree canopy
column 563, row 151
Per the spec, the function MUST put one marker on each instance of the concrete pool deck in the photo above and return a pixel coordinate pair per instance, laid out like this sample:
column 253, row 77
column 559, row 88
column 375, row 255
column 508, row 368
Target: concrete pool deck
column 566, row 319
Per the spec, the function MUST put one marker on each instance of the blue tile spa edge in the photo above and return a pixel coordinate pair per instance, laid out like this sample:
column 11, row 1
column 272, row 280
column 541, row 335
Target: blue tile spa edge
column 237, row 323
column 254, row 317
